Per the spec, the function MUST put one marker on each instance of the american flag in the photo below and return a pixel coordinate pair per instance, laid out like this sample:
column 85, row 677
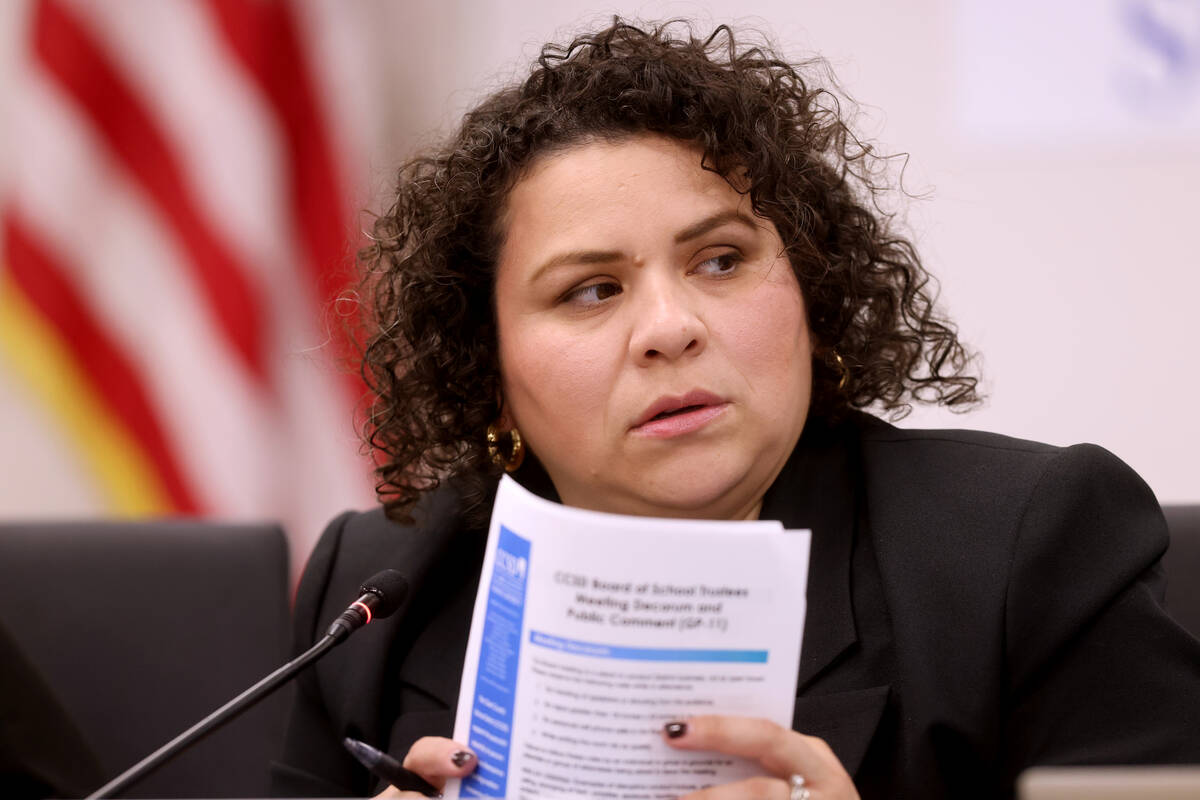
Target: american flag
column 177, row 224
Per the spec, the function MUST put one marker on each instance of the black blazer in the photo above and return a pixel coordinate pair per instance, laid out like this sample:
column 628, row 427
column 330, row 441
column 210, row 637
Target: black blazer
column 976, row 605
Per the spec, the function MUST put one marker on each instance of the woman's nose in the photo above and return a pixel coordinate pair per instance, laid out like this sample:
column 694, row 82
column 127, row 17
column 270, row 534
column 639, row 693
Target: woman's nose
column 667, row 324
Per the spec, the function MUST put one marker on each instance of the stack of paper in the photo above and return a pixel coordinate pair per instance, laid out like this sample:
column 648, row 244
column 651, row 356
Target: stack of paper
column 592, row 630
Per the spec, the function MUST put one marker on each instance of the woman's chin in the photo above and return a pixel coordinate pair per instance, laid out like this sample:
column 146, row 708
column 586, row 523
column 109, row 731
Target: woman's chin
column 700, row 496
column 696, row 486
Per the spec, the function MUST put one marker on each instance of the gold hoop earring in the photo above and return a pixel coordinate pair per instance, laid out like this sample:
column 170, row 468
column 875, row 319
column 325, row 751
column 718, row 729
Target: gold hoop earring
column 516, row 450
column 843, row 371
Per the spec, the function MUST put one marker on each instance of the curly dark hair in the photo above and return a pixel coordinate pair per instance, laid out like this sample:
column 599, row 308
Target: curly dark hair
column 432, row 354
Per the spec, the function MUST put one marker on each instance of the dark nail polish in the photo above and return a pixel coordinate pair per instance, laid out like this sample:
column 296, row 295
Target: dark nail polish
column 675, row 729
column 461, row 757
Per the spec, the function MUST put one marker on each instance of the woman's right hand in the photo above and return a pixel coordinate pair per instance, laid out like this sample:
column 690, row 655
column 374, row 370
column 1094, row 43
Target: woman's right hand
column 435, row 759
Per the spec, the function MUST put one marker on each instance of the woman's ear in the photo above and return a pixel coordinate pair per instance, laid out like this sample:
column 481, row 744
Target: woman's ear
column 504, row 420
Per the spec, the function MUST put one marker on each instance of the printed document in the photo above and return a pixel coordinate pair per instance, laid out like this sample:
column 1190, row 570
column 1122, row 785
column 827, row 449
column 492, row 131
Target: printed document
column 591, row 631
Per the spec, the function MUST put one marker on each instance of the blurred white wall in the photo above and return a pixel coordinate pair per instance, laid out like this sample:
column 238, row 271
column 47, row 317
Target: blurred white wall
column 1055, row 149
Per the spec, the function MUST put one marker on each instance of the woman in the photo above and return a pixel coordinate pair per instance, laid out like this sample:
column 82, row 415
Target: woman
column 653, row 279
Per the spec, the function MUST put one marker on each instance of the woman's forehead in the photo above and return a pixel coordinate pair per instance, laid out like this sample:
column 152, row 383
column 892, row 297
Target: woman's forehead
column 599, row 182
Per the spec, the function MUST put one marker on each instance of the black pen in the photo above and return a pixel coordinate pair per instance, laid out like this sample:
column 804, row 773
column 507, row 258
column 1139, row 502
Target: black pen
column 388, row 768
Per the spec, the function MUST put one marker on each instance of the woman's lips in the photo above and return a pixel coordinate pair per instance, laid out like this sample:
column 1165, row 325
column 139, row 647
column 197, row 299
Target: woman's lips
column 679, row 424
column 674, row 416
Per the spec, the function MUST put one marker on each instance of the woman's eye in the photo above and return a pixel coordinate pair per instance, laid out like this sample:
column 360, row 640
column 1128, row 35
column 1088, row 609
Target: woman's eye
column 592, row 293
column 718, row 265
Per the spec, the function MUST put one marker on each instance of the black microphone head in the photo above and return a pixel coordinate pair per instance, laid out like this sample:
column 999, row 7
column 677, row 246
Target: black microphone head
column 391, row 587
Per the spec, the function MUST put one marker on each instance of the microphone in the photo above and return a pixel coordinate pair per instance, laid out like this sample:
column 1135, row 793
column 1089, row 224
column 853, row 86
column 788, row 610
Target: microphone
column 379, row 597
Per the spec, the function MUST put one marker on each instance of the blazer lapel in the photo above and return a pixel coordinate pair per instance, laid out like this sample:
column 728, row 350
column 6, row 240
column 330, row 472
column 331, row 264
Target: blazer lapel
column 815, row 490
column 435, row 660
column 428, row 665
column 427, row 683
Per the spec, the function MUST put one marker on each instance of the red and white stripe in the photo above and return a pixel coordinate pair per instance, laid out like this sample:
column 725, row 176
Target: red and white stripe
column 180, row 217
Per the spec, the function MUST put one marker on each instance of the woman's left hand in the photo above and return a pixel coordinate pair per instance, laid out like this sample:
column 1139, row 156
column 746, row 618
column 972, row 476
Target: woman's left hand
column 798, row 767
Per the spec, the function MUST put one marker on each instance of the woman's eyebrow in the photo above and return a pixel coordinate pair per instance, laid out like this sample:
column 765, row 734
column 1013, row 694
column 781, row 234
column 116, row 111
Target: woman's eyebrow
column 609, row 256
column 715, row 221
column 576, row 257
